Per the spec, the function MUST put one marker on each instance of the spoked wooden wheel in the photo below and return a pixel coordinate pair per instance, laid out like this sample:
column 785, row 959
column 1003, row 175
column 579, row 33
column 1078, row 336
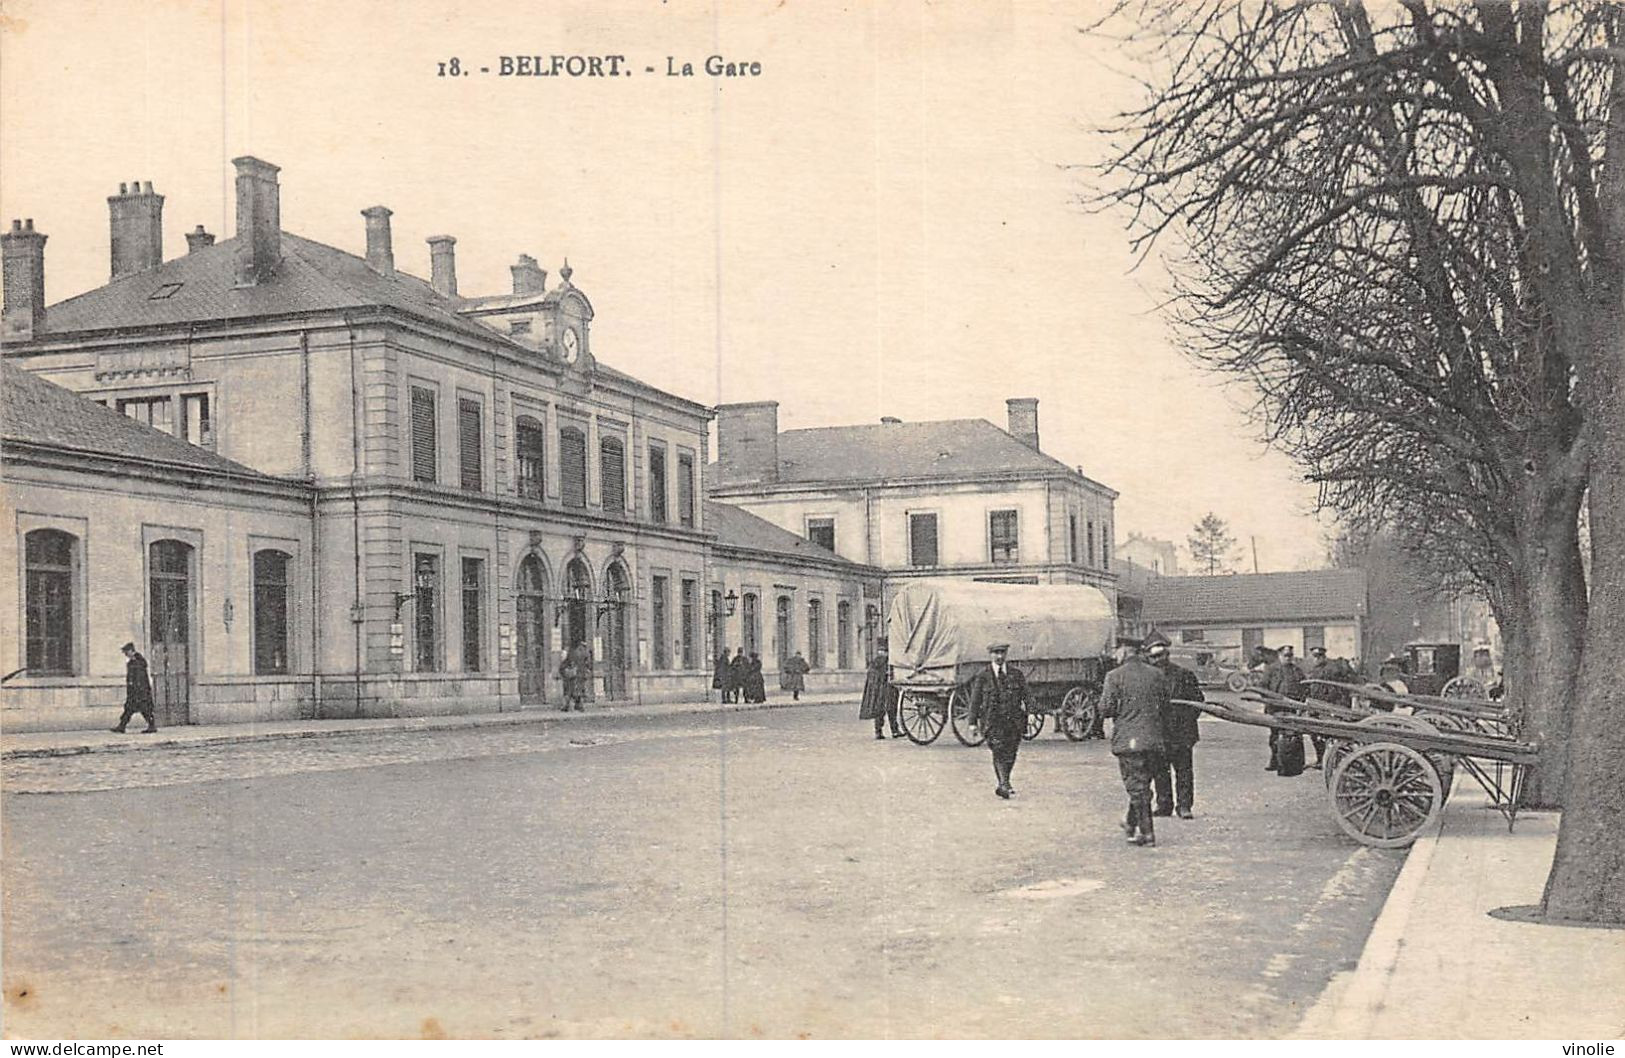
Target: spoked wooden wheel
column 1077, row 716
column 1035, row 726
column 922, row 717
column 1465, row 687
column 959, row 713
column 1443, row 763
column 1385, row 794
column 1336, row 750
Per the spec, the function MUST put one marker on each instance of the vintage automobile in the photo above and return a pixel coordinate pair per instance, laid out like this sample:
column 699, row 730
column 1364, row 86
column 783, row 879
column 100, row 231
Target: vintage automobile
column 1431, row 668
column 1214, row 666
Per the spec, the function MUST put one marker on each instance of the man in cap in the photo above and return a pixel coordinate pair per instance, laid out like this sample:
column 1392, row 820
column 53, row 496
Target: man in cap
column 137, row 691
column 1135, row 696
column 1176, row 792
column 879, row 699
column 999, row 701
column 1323, row 668
column 1284, row 678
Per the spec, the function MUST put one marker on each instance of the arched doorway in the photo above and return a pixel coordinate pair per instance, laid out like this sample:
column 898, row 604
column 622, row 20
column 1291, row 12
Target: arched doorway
column 578, row 607
column 530, row 599
column 617, row 596
column 169, row 574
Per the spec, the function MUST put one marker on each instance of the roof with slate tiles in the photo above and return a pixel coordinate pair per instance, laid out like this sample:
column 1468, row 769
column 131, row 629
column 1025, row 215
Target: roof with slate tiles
column 35, row 411
column 1257, row 597
column 739, row 528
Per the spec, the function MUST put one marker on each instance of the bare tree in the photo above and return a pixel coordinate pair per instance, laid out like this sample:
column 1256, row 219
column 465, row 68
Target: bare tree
column 1211, row 544
column 1401, row 229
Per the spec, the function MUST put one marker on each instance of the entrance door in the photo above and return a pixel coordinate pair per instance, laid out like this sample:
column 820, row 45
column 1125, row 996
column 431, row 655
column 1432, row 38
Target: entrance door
column 169, row 653
column 618, row 591
column 578, row 612
column 531, row 625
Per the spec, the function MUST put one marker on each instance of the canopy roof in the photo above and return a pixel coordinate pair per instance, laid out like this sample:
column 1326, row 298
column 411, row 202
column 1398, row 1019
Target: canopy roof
column 937, row 625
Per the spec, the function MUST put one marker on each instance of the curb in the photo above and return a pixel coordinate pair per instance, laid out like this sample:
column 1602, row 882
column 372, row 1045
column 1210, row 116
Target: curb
column 419, row 724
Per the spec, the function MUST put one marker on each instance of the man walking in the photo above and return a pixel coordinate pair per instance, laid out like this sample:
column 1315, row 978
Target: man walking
column 137, row 691
column 795, row 676
column 1176, row 793
column 1135, row 696
column 998, row 705
column 879, row 699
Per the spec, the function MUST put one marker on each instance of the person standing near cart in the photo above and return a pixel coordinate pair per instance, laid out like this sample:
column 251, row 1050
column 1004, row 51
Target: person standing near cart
column 999, row 701
column 1174, row 775
column 879, row 698
column 1135, row 697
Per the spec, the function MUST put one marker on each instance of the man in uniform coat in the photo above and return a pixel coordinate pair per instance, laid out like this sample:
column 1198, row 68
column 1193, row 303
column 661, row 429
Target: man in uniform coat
column 998, row 705
column 795, row 676
column 738, row 674
column 1325, row 669
column 1284, row 678
column 137, row 691
column 1176, row 792
column 879, row 699
column 1135, row 696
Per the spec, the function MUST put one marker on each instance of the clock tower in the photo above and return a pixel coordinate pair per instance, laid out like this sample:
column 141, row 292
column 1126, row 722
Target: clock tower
column 569, row 320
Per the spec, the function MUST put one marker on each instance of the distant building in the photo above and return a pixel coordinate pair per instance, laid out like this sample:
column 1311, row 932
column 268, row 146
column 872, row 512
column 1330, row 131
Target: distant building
column 1239, row 612
column 960, row 498
column 1158, row 556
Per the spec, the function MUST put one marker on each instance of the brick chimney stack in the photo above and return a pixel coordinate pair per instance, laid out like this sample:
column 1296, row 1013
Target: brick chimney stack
column 443, row 265
column 136, row 217
column 380, row 246
column 259, row 221
column 1023, row 412
column 198, row 239
column 528, row 276
column 748, row 442
column 23, row 273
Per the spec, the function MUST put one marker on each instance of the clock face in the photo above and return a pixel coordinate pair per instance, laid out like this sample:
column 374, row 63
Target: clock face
column 571, row 344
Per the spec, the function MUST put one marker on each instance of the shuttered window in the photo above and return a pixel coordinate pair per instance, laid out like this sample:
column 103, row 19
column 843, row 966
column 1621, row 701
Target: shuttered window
column 685, row 489
column 531, row 443
column 657, row 483
column 659, row 600
column 922, row 539
column 573, row 467
column 815, row 633
column 423, row 441
column 1089, row 539
column 612, row 474
column 468, row 443
column 1003, row 543
column 691, row 623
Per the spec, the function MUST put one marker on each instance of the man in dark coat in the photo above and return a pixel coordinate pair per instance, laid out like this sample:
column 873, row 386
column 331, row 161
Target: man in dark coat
column 1176, row 792
column 721, row 676
column 1135, row 696
column 738, row 674
column 137, row 691
column 795, row 676
column 755, row 686
column 1284, row 678
column 999, row 701
column 1324, row 668
column 879, row 698
column 576, row 671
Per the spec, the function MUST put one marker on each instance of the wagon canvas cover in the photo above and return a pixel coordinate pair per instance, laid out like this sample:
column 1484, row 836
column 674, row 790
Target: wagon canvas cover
column 937, row 625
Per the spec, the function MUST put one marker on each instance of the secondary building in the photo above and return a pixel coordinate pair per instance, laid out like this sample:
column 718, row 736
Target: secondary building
column 1236, row 613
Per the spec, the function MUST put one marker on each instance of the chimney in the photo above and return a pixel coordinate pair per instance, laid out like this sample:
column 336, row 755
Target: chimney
column 443, row 265
column 380, row 248
column 259, row 221
column 198, row 239
column 23, row 250
column 137, row 228
column 1023, row 420
column 528, row 277
column 890, row 420
column 748, row 443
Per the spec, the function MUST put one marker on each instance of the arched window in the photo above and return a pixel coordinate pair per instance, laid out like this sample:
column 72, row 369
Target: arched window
column 271, row 612
column 48, row 556
column 573, row 467
column 815, row 633
column 750, row 624
column 843, row 635
column 531, row 455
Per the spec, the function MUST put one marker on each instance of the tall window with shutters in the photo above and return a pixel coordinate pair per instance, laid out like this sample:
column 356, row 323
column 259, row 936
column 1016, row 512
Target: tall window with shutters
column 685, row 489
column 691, row 623
column 815, row 633
column 612, row 474
column 660, row 621
column 657, row 483
column 573, row 466
column 469, row 438
column 473, row 614
column 531, row 456
column 843, row 635
column 1089, row 541
column 424, row 453
column 922, row 539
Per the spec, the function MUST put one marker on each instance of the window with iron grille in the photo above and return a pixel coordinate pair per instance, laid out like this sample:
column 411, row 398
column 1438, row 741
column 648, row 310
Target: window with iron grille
column 660, row 631
column 271, row 612
column 685, row 489
column 922, row 539
column 531, row 456
column 843, row 635
column 469, row 433
column 48, row 558
column 473, row 592
column 1003, row 542
column 612, row 474
column 657, row 483
column 691, row 623
column 573, row 467
column 815, row 633
column 426, row 607
column 821, row 531
column 423, row 434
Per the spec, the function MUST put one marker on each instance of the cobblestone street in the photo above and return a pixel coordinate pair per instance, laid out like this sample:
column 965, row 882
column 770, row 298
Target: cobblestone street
column 776, row 873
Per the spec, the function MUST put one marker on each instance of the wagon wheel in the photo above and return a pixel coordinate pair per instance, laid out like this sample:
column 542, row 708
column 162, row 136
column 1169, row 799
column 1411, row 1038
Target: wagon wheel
column 1035, row 726
column 1336, row 750
column 1443, row 763
column 1465, row 687
column 959, row 713
column 922, row 717
column 1237, row 682
column 1384, row 794
column 1077, row 717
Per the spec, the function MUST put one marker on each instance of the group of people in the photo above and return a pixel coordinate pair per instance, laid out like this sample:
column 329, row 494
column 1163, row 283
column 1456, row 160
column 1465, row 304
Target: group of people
column 1283, row 676
column 739, row 677
column 1153, row 736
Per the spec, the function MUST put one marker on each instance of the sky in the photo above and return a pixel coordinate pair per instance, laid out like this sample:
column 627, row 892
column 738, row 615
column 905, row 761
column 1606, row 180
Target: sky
column 886, row 220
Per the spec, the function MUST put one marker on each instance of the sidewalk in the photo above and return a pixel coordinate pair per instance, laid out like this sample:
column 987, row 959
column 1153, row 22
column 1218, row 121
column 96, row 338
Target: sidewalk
column 1437, row 966
column 64, row 743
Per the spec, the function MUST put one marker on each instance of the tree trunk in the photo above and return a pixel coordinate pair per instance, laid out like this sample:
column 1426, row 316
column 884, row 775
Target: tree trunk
column 1552, row 601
